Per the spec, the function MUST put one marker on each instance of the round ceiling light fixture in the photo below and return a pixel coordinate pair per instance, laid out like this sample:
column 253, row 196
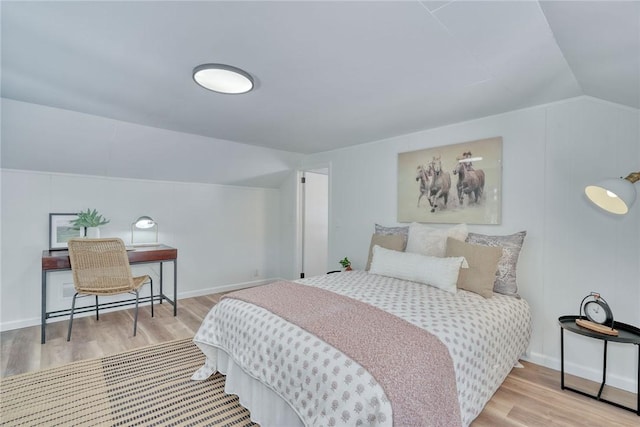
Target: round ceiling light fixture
column 223, row 78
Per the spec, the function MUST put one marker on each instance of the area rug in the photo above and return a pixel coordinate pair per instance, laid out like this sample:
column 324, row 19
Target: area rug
column 149, row 386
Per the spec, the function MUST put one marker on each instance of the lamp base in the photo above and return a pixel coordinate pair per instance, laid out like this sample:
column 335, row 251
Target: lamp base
column 602, row 329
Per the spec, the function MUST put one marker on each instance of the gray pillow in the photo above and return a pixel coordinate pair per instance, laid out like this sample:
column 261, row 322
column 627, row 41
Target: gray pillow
column 389, row 231
column 505, row 282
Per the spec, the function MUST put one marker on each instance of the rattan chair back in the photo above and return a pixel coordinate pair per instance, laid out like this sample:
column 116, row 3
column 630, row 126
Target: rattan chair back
column 100, row 266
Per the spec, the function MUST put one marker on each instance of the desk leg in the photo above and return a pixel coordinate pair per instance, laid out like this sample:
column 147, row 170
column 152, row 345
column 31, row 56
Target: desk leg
column 561, row 358
column 43, row 308
column 604, row 370
column 175, row 287
column 161, row 291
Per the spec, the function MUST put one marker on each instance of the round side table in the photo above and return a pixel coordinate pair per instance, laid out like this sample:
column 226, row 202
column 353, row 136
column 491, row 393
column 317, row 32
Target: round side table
column 627, row 334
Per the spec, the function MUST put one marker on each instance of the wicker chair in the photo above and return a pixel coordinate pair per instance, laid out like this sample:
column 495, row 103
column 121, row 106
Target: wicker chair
column 101, row 267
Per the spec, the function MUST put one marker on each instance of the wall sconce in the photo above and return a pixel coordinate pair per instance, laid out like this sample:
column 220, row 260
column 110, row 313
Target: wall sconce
column 615, row 195
column 144, row 231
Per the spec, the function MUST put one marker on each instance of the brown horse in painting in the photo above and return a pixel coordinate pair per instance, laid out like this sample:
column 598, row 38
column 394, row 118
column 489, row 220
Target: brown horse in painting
column 440, row 185
column 470, row 182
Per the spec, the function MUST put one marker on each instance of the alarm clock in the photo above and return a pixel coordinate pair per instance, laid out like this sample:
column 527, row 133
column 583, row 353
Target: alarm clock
column 598, row 313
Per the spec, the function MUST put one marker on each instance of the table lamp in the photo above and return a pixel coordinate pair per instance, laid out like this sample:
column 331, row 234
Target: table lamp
column 144, row 231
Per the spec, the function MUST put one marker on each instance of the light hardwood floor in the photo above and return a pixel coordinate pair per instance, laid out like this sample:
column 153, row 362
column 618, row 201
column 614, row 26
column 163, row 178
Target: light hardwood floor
column 530, row 396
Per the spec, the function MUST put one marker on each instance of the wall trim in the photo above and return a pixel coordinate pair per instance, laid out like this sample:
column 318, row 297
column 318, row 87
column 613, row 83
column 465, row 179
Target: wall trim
column 581, row 371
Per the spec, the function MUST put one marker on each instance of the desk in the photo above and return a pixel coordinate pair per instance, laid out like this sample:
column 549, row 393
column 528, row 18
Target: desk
column 59, row 261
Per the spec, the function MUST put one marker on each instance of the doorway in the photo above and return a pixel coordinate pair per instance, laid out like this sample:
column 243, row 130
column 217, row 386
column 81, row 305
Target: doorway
column 314, row 221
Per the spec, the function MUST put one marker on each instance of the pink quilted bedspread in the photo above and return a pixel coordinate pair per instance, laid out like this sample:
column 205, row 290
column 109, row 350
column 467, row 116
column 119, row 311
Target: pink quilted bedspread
column 413, row 366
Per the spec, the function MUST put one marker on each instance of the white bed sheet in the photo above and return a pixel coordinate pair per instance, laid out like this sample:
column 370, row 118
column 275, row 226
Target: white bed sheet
column 485, row 338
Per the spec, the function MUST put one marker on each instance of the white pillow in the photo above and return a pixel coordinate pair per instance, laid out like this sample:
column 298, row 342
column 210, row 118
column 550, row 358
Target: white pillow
column 439, row 272
column 431, row 241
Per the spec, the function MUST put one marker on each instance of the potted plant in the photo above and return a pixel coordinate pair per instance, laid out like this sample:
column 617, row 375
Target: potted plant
column 90, row 221
column 345, row 263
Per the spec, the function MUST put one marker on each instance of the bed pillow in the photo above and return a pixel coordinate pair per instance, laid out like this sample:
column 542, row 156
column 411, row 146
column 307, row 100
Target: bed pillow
column 395, row 242
column 483, row 263
column 388, row 231
column 438, row 272
column 505, row 279
column 432, row 241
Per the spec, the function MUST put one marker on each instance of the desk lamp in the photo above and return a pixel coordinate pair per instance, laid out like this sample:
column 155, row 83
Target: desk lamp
column 144, row 231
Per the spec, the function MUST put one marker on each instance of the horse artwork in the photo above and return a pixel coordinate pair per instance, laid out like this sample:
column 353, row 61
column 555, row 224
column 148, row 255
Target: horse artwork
column 470, row 182
column 425, row 182
column 440, row 184
column 460, row 187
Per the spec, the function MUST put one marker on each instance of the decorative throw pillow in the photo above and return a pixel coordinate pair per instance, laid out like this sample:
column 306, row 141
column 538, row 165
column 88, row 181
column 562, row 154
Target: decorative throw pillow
column 395, row 242
column 439, row 272
column 505, row 282
column 388, row 231
column 432, row 241
column 483, row 263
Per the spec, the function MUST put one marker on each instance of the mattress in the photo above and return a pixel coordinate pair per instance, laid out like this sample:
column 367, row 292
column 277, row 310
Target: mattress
column 484, row 337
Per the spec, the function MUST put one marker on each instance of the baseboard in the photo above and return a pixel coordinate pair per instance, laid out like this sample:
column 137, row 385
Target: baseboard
column 35, row 321
column 225, row 288
column 613, row 380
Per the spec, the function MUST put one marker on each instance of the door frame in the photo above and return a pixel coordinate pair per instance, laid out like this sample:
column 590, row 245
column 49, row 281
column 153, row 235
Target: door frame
column 299, row 246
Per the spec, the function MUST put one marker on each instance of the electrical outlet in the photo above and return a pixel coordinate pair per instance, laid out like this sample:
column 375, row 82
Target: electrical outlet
column 68, row 290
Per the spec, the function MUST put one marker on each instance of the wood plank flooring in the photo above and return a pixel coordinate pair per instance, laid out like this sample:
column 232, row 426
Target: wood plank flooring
column 530, row 396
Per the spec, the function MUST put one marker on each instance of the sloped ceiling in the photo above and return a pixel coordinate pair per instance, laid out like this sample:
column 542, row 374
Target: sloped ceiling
column 329, row 74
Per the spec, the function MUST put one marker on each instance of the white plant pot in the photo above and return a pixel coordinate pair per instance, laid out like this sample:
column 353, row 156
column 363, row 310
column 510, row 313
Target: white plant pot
column 92, row 232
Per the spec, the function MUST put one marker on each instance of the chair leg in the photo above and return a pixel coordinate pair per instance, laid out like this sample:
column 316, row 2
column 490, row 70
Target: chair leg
column 151, row 281
column 97, row 314
column 135, row 317
column 73, row 307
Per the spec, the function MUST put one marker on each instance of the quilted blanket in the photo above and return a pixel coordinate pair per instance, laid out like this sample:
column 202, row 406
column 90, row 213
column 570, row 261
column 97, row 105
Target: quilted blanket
column 412, row 366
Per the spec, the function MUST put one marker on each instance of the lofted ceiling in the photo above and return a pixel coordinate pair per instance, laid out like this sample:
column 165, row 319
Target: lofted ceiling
column 329, row 73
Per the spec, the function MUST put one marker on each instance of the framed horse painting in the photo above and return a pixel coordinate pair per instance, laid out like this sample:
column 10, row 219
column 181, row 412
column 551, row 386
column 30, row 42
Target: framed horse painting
column 452, row 184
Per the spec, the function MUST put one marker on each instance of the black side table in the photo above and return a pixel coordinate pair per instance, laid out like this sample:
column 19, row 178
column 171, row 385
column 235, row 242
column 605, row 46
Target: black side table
column 627, row 334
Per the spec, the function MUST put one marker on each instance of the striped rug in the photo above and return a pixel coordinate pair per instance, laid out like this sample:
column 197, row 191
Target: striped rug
column 148, row 386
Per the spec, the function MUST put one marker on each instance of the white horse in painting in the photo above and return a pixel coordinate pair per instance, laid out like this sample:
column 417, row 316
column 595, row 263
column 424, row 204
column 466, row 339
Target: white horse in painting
column 425, row 182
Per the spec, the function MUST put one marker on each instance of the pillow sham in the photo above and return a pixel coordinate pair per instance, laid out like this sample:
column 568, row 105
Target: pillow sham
column 388, row 231
column 395, row 242
column 505, row 279
column 483, row 263
column 441, row 273
column 432, row 241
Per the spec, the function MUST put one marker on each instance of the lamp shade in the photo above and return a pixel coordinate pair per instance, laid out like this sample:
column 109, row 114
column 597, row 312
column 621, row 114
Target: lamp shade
column 144, row 222
column 615, row 195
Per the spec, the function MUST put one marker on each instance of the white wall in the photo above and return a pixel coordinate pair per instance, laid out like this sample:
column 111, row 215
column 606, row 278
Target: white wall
column 226, row 236
column 549, row 154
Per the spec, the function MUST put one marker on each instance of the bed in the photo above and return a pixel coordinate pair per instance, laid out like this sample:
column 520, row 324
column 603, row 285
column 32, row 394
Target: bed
column 286, row 376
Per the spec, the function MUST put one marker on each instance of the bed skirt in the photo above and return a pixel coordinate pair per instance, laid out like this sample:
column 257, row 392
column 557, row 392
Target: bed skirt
column 266, row 407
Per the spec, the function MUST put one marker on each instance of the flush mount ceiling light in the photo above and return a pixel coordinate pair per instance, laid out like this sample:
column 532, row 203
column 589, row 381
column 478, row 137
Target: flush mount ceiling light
column 223, row 78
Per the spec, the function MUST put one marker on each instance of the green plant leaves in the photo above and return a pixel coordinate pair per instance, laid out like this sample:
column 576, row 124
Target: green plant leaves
column 90, row 218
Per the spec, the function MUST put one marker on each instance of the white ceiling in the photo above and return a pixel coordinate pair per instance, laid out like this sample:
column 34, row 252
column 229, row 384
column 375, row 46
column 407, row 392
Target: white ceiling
column 329, row 74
